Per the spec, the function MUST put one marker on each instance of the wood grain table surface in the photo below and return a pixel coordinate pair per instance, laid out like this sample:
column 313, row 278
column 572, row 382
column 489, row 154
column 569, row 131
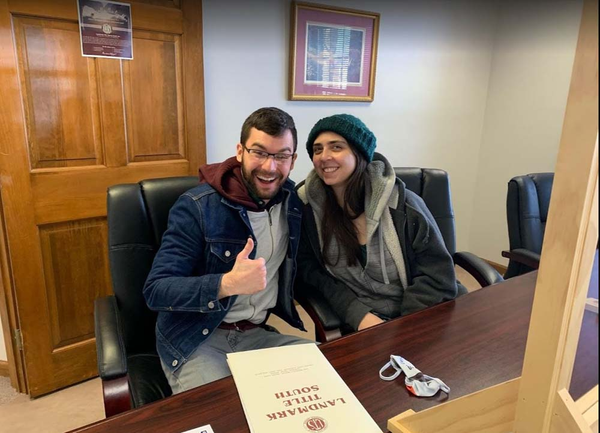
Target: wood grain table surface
column 471, row 343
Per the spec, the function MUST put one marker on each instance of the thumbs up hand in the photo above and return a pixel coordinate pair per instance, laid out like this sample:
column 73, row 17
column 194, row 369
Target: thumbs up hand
column 247, row 276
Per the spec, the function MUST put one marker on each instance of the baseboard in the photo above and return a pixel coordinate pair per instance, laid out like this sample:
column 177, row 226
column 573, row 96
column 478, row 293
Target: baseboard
column 497, row 266
column 4, row 368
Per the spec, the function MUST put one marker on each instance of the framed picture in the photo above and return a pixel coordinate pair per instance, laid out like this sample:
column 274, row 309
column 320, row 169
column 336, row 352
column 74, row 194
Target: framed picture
column 333, row 53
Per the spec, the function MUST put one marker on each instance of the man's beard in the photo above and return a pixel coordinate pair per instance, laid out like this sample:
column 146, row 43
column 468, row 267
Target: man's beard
column 250, row 181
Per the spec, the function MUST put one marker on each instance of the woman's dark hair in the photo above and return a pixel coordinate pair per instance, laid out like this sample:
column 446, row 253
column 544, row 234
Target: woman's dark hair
column 338, row 222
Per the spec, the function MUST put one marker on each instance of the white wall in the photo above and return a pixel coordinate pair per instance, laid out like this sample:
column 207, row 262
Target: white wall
column 476, row 88
column 531, row 71
column 433, row 68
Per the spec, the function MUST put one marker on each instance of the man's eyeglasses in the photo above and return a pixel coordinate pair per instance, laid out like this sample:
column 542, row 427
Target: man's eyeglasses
column 261, row 156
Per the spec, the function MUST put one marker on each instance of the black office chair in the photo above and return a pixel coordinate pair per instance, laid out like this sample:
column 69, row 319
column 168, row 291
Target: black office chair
column 125, row 337
column 433, row 186
column 527, row 204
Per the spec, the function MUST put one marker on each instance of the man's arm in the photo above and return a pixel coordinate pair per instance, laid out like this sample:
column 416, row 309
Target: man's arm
column 172, row 285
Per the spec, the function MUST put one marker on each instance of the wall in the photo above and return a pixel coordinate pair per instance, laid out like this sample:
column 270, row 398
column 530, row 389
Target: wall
column 531, row 71
column 476, row 88
column 432, row 80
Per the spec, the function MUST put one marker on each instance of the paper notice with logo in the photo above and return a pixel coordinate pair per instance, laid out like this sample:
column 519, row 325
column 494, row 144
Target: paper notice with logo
column 105, row 29
column 294, row 389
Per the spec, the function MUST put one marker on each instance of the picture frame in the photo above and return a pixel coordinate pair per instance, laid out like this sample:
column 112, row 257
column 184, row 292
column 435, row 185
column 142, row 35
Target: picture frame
column 333, row 53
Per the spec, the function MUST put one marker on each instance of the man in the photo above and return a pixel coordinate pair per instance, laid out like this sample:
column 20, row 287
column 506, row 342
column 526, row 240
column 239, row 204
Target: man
column 228, row 257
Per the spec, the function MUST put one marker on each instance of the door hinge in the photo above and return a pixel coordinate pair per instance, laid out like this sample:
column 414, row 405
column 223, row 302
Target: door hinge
column 18, row 339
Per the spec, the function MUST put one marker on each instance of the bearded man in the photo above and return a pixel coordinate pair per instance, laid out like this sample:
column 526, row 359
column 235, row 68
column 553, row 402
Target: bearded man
column 228, row 257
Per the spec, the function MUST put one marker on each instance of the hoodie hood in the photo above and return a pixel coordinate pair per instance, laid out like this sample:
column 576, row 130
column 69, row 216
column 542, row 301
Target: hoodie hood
column 380, row 192
column 227, row 179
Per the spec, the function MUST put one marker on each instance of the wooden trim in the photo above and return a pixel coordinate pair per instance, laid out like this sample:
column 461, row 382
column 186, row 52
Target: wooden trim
column 494, row 406
column 592, row 305
column 588, row 400
column 566, row 417
column 582, row 283
column 193, row 85
column 8, row 308
column 66, row 9
column 497, row 266
column 49, row 210
column 569, row 243
column 587, row 405
column 4, row 369
column 20, row 233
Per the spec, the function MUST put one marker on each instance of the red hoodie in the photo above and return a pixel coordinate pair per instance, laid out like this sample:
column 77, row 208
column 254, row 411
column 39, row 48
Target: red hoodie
column 226, row 178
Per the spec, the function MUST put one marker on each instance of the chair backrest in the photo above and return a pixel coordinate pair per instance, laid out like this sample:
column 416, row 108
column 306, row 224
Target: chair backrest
column 527, row 205
column 433, row 186
column 137, row 218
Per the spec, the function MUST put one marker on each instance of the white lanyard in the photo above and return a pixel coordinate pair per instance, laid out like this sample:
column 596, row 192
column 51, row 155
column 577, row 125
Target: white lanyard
column 416, row 382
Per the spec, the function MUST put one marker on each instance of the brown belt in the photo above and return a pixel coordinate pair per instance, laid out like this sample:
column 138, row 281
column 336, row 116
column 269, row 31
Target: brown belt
column 242, row 325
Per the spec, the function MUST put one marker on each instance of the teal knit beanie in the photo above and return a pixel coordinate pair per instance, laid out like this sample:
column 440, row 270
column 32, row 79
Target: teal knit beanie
column 349, row 127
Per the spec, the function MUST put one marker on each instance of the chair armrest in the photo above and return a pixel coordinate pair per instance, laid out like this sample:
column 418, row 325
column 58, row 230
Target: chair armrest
column 482, row 271
column 327, row 323
column 112, row 358
column 523, row 256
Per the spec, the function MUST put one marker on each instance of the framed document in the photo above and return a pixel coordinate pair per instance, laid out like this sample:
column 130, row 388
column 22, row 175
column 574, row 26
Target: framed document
column 333, row 53
column 105, row 29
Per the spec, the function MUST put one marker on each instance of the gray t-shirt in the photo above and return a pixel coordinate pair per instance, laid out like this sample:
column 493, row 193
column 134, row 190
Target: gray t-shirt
column 272, row 236
column 368, row 282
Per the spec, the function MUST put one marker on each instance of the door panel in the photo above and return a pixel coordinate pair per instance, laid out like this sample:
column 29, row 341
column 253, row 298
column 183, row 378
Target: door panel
column 59, row 91
column 74, row 127
column 82, row 244
column 155, row 119
column 58, row 195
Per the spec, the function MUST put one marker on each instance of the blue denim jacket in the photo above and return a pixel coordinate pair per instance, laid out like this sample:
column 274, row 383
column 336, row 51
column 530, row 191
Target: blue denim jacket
column 204, row 236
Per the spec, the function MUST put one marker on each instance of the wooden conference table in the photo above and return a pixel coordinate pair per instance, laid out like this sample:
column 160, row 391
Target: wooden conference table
column 471, row 343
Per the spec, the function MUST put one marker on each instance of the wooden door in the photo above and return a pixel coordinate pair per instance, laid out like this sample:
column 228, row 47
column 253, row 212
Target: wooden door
column 70, row 127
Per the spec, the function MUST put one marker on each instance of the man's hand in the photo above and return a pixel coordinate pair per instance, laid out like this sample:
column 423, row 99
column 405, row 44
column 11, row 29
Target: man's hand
column 369, row 320
column 247, row 276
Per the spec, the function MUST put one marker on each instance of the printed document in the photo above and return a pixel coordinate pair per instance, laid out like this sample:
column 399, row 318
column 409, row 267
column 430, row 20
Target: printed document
column 295, row 389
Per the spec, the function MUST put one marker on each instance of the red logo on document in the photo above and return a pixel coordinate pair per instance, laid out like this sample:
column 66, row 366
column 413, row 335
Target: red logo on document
column 315, row 424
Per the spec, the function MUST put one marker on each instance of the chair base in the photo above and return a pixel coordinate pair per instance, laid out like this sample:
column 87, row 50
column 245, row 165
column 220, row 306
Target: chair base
column 116, row 396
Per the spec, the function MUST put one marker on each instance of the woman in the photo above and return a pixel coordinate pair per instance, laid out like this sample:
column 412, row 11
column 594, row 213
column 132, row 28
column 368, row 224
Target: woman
column 369, row 245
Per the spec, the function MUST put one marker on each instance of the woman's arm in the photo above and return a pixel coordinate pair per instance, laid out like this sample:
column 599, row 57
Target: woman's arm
column 312, row 275
column 433, row 279
column 369, row 320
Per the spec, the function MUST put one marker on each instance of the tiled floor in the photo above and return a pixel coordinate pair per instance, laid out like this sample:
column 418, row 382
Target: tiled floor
column 82, row 404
